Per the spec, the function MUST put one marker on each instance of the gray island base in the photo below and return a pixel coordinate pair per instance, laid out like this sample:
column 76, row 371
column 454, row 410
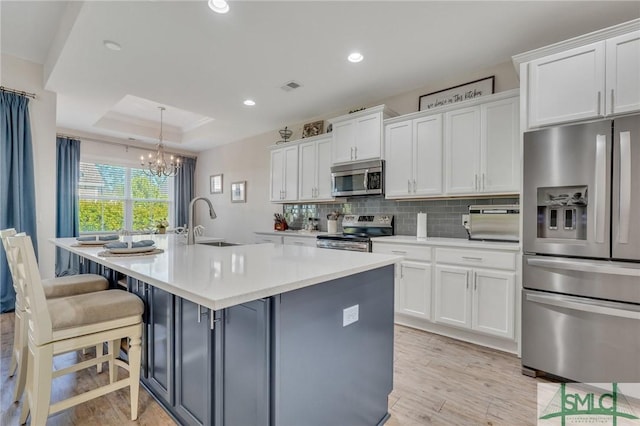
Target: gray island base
column 318, row 355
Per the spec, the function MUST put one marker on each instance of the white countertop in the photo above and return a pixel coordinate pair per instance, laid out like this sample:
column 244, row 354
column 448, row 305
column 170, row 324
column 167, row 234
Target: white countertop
column 300, row 233
column 219, row 277
column 450, row 242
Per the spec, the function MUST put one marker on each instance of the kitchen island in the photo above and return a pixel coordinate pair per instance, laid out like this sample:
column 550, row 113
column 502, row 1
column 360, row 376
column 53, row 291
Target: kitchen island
column 262, row 334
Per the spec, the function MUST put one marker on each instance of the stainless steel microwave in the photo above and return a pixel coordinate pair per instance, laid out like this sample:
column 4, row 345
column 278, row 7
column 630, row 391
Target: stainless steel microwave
column 362, row 178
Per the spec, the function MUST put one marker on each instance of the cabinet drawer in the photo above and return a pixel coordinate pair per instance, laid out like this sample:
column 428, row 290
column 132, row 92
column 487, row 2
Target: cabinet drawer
column 412, row 252
column 484, row 259
column 274, row 239
column 300, row 241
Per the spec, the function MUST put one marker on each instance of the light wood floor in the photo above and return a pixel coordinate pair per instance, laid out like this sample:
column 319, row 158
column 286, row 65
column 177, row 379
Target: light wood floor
column 437, row 381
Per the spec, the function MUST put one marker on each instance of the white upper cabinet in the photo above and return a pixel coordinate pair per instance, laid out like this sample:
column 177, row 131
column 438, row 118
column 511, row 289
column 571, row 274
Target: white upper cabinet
column 284, row 174
column 315, row 170
column 623, row 73
column 413, row 153
column 462, row 141
column 587, row 77
column 499, row 146
column 358, row 136
column 567, row 86
column 483, row 149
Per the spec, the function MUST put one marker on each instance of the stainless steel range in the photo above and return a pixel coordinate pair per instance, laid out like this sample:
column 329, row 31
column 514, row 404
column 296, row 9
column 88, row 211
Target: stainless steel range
column 357, row 232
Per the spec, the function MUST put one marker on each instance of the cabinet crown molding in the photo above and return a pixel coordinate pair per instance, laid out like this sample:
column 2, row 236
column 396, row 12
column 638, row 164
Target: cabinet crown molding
column 593, row 37
column 513, row 93
column 303, row 140
column 387, row 112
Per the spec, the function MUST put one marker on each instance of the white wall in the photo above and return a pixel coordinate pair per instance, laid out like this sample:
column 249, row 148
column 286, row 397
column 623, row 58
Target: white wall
column 249, row 160
column 27, row 76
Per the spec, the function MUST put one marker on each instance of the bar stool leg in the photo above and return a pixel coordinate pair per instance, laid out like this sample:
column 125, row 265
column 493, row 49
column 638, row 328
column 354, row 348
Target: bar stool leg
column 99, row 353
column 134, row 372
column 42, row 378
column 113, row 347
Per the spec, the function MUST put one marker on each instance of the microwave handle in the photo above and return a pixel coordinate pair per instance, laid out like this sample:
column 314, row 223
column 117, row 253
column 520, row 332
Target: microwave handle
column 366, row 179
column 333, row 183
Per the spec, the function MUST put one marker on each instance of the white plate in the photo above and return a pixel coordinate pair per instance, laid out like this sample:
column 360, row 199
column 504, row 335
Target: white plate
column 132, row 250
column 95, row 243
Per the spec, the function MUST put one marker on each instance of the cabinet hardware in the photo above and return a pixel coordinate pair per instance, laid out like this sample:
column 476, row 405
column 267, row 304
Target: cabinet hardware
column 401, row 271
column 398, row 251
column 355, row 153
column 298, row 243
column 409, row 185
column 213, row 320
column 611, row 101
column 414, row 185
column 466, row 275
column 200, row 313
column 351, row 155
column 479, row 259
column 475, row 183
column 599, row 100
column 475, row 281
column 483, row 182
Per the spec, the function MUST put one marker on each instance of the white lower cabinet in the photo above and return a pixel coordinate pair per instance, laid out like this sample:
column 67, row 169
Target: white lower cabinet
column 477, row 299
column 267, row 238
column 300, row 241
column 460, row 292
column 413, row 295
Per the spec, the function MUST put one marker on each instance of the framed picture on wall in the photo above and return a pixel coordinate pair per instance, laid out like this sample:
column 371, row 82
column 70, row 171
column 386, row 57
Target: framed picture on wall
column 239, row 192
column 215, row 184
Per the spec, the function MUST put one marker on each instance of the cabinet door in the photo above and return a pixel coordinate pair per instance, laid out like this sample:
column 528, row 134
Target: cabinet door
column 323, row 170
column 290, row 187
column 567, row 86
column 307, row 171
column 462, row 134
column 500, row 146
column 161, row 341
column 343, row 142
column 623, row 71
column 493, row 303
column 368, row 144
column 277, row 175
column 427, row 159
column 193, row 365
column 398, row 160
column 452, row 296
column 414, row 292
column 247, row 342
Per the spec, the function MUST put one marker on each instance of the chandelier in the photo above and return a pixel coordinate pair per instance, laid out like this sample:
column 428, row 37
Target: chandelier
column 160, row 164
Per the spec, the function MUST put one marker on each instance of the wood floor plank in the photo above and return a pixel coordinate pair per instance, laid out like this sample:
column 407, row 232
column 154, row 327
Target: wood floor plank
column 437, row 381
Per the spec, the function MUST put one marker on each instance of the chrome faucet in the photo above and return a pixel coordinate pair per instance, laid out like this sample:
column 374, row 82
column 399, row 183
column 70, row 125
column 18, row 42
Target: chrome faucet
column 191, row 236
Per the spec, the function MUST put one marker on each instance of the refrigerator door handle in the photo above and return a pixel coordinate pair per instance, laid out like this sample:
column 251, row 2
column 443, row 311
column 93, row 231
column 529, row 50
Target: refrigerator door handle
column 584, row 266
column 599, row 188
column 579, row 305
column 625, row 187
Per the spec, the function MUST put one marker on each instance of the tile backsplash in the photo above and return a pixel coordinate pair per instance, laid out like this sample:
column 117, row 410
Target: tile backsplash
column 444, row 217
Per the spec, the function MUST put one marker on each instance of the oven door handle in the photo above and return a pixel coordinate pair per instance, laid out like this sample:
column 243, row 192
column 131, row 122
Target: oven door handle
column 366, row 179
column 579, row 305
column 584, row 266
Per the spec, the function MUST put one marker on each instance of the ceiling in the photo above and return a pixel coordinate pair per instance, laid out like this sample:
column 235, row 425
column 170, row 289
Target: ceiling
column 202, row 65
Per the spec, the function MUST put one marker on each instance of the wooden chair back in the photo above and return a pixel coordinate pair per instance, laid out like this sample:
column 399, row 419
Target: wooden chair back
column 28, row 277
column 11, row 260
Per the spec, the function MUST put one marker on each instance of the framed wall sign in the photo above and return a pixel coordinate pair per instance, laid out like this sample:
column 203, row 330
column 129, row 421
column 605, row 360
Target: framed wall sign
column 239, row 192
column 462, row 92
column 215, row 184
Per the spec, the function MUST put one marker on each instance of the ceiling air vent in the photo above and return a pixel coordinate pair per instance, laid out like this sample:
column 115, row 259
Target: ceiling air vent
column 289, row 86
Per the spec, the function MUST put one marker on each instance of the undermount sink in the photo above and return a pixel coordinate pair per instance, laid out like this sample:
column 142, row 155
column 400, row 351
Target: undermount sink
column 218, row 243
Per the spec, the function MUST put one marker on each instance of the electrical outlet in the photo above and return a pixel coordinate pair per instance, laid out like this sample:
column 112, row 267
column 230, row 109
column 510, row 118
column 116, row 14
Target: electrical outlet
column 465, row 220
column 350, row 315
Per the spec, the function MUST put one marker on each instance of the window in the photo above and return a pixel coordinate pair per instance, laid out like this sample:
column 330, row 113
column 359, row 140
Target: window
column 116, row 197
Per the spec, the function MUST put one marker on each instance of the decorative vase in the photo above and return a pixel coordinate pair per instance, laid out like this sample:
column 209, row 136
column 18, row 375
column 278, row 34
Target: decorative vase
column 162, row 230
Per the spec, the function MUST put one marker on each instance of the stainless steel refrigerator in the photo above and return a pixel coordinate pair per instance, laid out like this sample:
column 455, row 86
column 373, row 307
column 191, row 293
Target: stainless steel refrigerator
column 581, row 242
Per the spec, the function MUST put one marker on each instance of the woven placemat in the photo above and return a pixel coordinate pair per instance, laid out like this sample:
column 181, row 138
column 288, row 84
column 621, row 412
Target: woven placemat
column 107, row 253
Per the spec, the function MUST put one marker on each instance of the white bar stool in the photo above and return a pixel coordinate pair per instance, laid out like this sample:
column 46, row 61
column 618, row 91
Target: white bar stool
column 54, row 287
column 79, row 321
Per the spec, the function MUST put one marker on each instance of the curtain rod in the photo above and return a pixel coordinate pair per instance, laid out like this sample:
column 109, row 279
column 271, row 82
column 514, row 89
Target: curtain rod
column 18, row 92
column 127, row 146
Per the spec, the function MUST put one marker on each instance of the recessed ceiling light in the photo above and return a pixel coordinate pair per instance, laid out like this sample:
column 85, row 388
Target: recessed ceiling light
column 355, row 57
column 249, row 102
column 219, row 6
column 112, row 45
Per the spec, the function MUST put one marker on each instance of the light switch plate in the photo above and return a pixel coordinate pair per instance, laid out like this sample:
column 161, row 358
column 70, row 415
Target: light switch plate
column 350, row 315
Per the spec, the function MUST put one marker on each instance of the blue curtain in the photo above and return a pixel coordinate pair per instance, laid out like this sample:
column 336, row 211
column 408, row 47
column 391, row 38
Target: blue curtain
column 184, row 190
column 67, row 202
column 17, row 187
